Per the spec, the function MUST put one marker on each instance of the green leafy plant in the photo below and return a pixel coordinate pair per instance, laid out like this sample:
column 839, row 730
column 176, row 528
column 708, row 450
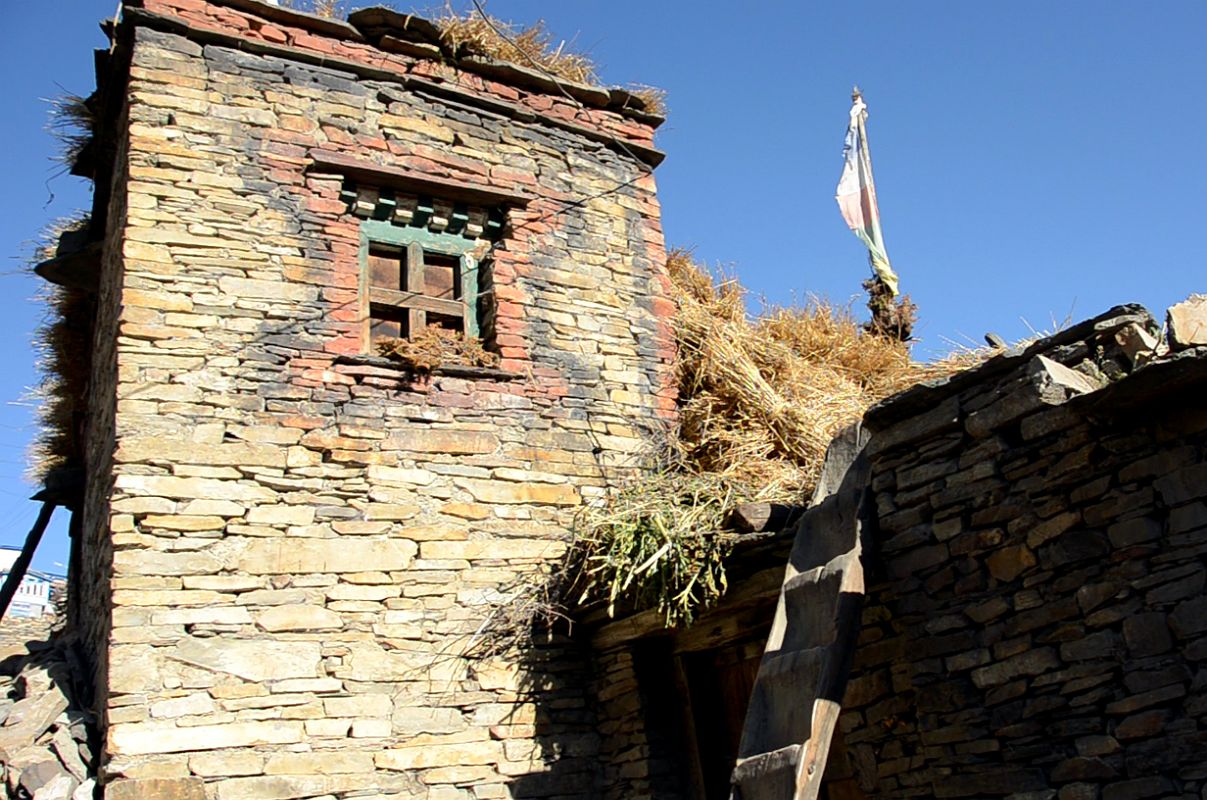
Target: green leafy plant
column 657, row 543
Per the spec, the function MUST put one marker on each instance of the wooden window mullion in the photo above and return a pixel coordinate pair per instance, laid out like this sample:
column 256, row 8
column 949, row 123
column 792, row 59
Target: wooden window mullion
column 364, row 309
column 469, row 295
column 416, row 318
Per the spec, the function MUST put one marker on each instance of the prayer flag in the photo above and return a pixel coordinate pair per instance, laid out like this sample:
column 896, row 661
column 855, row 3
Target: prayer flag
column 856, row 194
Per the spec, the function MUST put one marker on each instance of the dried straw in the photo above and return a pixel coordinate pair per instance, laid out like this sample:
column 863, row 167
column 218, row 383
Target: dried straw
column 471, row 33
column 63, row 344
column 72, row 122
column 762, row 398
column 434, row 347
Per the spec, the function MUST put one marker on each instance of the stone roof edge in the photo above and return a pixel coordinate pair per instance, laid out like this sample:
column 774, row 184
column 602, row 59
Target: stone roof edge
column 615, row 99
column 139, row 17
column 930, row 393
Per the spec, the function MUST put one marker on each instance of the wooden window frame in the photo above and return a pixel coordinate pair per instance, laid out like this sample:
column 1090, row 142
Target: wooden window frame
column 415, row 242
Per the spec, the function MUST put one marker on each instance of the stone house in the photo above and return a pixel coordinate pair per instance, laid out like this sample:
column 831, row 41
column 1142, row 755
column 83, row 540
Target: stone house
column 999, row 590
column 285, row 542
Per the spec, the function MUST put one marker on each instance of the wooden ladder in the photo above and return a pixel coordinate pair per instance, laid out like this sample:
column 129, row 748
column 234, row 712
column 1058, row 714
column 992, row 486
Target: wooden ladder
column 797, row 695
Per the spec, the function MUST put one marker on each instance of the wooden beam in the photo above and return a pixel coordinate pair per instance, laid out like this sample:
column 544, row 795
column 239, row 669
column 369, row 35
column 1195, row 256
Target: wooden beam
column 761, row 586
column 416, row 302
column 21, row 565
column 78, row 270
column 759, row 517
column 368, row 172
column 694, row 768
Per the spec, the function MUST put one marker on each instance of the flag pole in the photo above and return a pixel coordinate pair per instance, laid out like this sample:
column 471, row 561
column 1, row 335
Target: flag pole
column 856, row 197
column 865, row 153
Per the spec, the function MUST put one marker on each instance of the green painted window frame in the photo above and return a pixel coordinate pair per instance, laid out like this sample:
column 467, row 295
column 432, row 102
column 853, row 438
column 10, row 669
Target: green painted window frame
column 417, row 241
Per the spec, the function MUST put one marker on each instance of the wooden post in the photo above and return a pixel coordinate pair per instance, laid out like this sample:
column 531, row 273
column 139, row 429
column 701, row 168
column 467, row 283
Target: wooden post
column 416, row 319
column 21, row 565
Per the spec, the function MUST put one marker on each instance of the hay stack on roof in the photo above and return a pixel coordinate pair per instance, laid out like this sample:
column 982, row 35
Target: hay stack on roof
column 760, row 400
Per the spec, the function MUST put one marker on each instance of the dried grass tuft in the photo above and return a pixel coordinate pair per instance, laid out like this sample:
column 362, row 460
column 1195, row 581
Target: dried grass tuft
column 434, row 347
column 331, row 9
column 63, row 346
column 658, row 543
column 652, row 97
column 72, row 121
column 762, row 398
column 471, row 34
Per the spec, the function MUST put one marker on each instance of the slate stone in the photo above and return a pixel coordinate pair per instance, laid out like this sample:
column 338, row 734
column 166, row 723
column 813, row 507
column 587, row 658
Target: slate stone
column 1083, row 768
column 1137, row 789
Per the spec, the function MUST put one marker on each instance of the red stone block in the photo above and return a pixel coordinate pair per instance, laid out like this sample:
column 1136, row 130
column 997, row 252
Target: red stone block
column 663, row 307
column 338, row 136
column 323, row 205
column 273, row 34
column 512, row 175
column 504, row 308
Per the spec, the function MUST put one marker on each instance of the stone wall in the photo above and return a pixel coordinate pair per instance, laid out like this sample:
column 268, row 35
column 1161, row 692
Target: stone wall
column 88, row 597
column 301, row 541
column 1039, row 625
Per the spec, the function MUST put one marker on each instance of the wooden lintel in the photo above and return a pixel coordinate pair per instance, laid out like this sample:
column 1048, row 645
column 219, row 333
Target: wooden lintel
column 759, row 517
column 762, row 586
column 638, row 626
column 380, row 366
column 378, row 175
column 78, row 270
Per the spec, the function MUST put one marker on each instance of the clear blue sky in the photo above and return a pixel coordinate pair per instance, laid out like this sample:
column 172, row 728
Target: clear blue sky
column 1034, row 160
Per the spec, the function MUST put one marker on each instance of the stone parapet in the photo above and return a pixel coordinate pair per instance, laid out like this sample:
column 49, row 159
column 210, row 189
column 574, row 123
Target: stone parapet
column 1037, row 628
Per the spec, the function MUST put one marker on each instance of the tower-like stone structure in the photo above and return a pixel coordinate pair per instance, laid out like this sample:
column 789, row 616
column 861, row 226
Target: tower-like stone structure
column 287, row 541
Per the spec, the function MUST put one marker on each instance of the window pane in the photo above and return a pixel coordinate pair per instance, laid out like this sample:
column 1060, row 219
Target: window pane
column 387, row 323
column 446, row 321
column 386, row 268
column 442, row 276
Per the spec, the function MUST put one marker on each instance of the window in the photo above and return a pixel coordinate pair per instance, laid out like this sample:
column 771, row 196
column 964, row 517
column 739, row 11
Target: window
column 412, row 279
column 423, row 238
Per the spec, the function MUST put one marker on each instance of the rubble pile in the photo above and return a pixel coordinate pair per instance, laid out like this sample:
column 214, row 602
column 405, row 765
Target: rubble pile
column 47, row 740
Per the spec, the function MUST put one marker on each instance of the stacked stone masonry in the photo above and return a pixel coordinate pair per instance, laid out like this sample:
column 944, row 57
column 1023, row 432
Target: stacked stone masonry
column 1039, row 625
column 287, row 547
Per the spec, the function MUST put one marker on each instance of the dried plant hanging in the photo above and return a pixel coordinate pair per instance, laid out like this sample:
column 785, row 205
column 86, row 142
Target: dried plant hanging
column 435, row 347
column 63, row 343
column 474, row 33
column 71, row 121
column 760, row 400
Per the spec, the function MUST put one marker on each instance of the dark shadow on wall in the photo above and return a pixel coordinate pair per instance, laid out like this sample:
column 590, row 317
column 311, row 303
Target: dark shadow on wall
column 560, row 741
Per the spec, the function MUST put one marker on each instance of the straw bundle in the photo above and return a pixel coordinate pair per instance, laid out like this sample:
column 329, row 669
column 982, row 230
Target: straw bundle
column 471, row 33
column 531, row 46
column 761, row 399
column 434, row 347
column 63, row 344
column 71, row 121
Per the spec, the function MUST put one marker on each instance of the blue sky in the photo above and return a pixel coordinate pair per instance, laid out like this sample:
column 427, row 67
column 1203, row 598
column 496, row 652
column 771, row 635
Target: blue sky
column 1034, row 160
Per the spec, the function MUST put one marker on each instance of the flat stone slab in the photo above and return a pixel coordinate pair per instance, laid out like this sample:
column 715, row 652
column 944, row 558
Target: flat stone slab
column 1187, row 322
